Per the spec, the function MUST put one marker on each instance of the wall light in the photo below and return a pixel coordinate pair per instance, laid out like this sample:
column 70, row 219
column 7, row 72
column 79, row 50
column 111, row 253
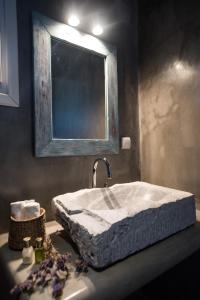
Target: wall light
column 97, row 30
column 73, row 21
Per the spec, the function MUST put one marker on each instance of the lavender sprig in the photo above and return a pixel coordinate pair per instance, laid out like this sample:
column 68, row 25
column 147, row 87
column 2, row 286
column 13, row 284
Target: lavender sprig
column 81, row 266
column 53, row 270
column 57, row 288
column 25, row 287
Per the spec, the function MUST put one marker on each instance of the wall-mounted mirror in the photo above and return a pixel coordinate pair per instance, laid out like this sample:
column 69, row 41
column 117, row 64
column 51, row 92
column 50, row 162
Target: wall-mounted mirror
column 75, row 78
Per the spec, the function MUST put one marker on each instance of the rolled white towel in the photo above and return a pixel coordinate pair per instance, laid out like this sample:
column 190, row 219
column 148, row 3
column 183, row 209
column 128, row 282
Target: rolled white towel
column 24, row 210
column 31, row 210
column 17, row 209
column 29, row 201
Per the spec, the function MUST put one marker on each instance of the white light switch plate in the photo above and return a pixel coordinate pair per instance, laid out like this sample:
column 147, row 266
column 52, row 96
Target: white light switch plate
column 126, row 143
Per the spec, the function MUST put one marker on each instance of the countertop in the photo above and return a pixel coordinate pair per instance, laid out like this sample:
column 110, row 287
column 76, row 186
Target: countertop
column 117, row 281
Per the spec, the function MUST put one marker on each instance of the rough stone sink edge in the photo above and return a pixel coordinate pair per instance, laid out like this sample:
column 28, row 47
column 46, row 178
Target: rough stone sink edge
column 135, row 237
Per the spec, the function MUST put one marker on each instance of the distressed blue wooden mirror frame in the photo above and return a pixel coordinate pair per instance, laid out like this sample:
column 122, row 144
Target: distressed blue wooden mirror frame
column 45, row 144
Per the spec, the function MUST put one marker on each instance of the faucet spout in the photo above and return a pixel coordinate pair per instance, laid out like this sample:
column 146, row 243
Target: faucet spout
column 94, row 171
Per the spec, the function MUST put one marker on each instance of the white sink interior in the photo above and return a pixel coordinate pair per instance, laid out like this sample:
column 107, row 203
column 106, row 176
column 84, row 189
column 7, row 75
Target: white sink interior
column 101, row 219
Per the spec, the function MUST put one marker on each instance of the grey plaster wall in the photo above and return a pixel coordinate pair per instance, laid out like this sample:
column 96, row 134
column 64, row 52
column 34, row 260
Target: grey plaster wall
column 22, row 175
column 169, row 93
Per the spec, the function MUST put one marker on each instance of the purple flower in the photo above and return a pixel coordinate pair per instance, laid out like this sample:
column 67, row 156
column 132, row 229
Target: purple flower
column 61, row 263
column 57, row 288
column 26, row 287
column 47, row 263
column 67, row 257
column 81, row 266
column 54, row 270
column 16, row 290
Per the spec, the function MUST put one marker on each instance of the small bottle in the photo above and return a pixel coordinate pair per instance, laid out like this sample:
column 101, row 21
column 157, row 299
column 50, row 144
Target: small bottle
column 27, row 252
column 39, row 251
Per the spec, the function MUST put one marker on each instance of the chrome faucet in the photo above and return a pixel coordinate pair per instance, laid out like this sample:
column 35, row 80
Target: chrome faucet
column 94, row 171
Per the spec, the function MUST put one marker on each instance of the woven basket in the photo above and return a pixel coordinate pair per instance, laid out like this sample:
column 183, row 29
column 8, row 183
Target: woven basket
column 20, row 229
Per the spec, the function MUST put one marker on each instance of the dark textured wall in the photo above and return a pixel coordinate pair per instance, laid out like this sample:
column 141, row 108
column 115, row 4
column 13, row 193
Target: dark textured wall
column 169, row 93
column 22, row 175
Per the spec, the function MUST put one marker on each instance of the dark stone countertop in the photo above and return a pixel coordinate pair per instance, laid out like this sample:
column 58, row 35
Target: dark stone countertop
column 119, row 280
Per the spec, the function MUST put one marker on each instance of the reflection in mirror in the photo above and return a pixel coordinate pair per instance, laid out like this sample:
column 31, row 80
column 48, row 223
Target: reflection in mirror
column 78, row 92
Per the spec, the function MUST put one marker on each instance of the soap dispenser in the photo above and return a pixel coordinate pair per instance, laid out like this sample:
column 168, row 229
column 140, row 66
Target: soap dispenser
column 39, row 251
column 27, row 252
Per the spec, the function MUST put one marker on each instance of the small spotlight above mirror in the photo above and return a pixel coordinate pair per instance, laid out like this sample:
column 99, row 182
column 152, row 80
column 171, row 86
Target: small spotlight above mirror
column 97, row 30
column 73, row 21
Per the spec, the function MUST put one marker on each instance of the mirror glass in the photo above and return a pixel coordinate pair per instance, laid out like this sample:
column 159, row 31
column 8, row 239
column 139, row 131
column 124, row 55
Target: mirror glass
column 78, row 92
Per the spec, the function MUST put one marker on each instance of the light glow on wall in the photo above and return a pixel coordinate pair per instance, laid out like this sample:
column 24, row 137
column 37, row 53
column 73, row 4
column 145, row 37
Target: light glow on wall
column 97, row 30
column 73, row 20
column 179, row 66
column 183, row 70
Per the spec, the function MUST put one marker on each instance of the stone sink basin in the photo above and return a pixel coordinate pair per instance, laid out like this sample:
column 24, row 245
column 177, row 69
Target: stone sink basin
column 108, row 224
